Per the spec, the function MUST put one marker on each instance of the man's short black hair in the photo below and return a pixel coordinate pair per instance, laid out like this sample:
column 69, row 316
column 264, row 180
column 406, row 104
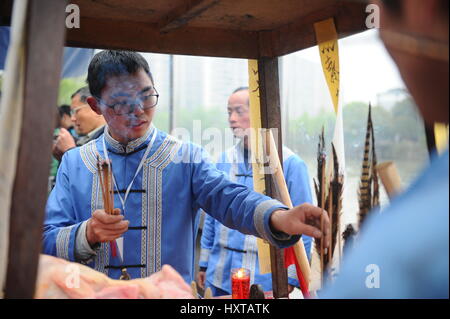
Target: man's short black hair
column 241, row 88
column 64, row 109
column 113, row 63
column 84, row 93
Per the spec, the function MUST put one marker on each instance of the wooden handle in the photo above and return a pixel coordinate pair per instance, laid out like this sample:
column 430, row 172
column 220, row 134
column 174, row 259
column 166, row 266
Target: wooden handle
column 390, row 178
column 280, row 183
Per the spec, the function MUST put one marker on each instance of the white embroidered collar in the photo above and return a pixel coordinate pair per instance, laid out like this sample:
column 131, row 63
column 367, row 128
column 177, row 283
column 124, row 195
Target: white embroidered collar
column 131, row 146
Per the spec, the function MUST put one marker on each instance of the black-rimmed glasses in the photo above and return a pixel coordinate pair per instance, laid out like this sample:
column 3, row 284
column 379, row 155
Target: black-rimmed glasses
column 127, row 106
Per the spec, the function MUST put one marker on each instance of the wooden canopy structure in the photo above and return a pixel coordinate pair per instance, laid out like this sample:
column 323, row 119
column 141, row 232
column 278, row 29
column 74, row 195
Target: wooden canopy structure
column 226, row 28
column 251, row 29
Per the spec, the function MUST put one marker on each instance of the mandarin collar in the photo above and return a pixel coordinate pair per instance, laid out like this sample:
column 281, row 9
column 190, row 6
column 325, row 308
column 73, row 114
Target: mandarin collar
column 132, row 145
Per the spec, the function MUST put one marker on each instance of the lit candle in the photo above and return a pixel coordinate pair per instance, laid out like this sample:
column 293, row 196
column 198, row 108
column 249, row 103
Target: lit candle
column 240, row 283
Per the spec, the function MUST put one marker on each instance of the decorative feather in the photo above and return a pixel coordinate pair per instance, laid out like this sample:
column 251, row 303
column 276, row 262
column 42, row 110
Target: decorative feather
column 319, row 185
column 320, row 193
column 336, row 187
column 329, row 197
column 369, row 194
column 321, row 161
column 365, row 187
column 376, row 185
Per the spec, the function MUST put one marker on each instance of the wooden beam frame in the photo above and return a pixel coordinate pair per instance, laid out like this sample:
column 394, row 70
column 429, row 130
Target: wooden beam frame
column 183, row 39
column 300, row 35
column 45, row 40
column 181, row 15
column 144, row 37
column 269, row 90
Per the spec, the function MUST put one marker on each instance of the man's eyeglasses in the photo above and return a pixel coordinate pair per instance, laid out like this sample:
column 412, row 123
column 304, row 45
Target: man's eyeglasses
column 74, row 111
column 125, row 107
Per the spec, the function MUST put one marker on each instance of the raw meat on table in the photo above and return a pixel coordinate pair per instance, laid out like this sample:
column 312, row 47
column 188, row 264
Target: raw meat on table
column 60, row 279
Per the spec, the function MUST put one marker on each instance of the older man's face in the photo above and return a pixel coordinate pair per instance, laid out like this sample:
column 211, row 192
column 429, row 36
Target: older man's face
column 132, row 89
column 238, row 113
column 85, row 120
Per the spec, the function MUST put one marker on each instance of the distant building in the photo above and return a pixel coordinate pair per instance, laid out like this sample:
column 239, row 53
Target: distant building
column 198, row 81
column 207, row 82
column 389, row 98
column 303, row 88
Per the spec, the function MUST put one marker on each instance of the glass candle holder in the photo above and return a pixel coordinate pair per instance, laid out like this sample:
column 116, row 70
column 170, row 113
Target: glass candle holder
column 240, row 283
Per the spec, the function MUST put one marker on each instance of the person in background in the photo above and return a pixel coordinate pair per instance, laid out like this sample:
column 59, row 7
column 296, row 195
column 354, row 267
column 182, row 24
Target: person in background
column 403, row 253
column 88, row 124
column 65, row 120
column 222, row 248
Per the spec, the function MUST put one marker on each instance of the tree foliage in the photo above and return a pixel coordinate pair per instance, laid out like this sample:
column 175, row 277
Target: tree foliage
column 67, row 87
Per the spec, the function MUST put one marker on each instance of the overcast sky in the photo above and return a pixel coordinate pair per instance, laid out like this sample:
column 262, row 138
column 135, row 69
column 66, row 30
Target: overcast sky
column 366, row 67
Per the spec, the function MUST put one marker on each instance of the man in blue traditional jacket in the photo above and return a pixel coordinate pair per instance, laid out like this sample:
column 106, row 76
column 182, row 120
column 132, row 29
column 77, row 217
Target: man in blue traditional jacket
column 222, row 248
column 159, row 182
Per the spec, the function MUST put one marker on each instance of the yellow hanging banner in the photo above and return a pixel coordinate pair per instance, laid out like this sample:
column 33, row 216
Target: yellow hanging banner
column 256, row 141
column 441, row 136
column 257, row 156
column 327, row 39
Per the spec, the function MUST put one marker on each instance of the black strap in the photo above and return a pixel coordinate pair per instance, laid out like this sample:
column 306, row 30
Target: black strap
column 124, row 266
column 236, row 250
column 123, row 191
column 137, row 227
column 245, row 175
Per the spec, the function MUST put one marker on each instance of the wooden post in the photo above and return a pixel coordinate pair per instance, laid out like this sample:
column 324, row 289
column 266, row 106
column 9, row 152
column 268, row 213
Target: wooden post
column 269, row 89
column 171, row 94
column 45, row 41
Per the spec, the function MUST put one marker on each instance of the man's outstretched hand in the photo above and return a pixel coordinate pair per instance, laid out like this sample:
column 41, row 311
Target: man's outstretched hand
column 304, row 219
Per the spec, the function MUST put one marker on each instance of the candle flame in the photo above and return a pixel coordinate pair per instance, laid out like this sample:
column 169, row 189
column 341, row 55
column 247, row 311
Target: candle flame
column 240, row 273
